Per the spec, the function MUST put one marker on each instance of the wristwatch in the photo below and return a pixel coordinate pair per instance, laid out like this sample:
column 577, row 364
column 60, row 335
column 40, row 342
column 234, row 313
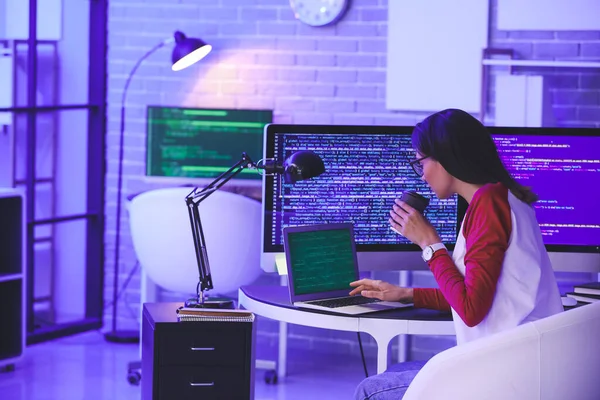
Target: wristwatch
column 429, row 250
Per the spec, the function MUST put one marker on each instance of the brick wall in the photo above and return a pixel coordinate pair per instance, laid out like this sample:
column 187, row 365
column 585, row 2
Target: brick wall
column 264, row 58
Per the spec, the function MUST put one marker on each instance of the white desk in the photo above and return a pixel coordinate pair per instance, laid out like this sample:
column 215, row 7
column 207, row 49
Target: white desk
column 273, row 302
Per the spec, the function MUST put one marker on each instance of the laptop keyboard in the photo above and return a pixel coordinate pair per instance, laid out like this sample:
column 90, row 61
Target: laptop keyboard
column 343, row 302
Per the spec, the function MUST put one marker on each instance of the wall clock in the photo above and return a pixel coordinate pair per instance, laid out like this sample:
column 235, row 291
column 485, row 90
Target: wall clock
column 319, row 12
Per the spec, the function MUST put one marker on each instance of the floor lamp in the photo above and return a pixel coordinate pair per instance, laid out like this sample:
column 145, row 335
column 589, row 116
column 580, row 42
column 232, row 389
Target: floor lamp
column 186, row 52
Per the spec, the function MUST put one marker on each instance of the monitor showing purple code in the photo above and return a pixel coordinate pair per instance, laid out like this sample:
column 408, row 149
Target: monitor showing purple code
column 565, row 173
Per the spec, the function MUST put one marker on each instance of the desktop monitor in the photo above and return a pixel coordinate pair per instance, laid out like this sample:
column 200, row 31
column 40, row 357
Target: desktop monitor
column 367, row 168
column 562, row 166
column 198, row 144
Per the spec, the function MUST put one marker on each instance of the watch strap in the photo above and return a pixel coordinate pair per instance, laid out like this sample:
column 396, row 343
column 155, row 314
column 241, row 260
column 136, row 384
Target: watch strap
column 437, row 246
column 430, row 250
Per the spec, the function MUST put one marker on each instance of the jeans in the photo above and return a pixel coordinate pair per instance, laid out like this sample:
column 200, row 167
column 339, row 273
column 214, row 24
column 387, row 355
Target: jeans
column 389, row 385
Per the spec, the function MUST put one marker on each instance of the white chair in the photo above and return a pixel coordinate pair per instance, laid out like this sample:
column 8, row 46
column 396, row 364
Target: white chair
column 555, row 358
column 162, row 239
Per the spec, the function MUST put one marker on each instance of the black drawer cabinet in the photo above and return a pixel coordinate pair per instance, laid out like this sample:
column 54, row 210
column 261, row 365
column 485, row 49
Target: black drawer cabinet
column 195, row 360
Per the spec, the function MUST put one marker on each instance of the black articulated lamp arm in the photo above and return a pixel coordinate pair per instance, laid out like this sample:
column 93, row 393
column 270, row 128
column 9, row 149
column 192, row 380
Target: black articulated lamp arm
column 299, row 166
column 193, row 201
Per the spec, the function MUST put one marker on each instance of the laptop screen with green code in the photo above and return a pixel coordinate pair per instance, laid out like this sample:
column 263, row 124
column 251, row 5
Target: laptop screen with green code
column 322, row 260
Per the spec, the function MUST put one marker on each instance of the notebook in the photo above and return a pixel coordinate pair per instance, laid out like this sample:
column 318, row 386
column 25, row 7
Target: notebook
column 583, row 297
column 321, row 263
column 214, row 314
column 588, row 288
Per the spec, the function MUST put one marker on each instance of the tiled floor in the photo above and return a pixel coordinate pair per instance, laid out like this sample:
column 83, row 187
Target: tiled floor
column 87, row 367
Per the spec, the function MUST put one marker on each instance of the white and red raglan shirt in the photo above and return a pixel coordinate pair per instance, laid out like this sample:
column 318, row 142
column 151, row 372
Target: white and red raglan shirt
column 499, row 275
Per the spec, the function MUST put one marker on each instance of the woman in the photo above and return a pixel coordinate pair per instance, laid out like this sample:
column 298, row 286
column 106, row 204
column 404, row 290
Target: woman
column 499, row 275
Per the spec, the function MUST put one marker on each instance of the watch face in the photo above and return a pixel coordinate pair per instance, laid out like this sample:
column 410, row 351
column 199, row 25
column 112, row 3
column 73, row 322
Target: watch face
column 427, row 253
column 319, row 12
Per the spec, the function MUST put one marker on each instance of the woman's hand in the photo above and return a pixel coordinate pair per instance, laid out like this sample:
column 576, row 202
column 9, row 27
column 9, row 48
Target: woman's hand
column 412, row 225
column 381, row 290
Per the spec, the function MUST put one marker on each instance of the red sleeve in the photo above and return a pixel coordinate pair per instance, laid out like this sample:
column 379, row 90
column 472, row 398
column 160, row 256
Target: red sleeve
column 487, row 229
column 430, row 298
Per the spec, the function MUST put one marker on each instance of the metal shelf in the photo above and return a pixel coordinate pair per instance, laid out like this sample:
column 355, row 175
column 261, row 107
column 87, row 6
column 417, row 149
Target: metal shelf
column 542, row 63
column 10, row 277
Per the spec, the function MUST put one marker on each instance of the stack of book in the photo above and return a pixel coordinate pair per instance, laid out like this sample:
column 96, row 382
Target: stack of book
column 214, row 314
column 586, row 293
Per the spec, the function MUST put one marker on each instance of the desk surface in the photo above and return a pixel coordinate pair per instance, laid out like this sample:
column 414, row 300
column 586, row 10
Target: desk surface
column 274, row 302
column 279, row 296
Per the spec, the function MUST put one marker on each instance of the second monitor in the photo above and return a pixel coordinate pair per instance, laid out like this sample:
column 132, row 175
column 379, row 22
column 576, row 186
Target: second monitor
column 201, row 143
column 368, row 167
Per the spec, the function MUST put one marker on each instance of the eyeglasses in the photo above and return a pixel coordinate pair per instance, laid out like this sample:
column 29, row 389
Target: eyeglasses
column 417, row 166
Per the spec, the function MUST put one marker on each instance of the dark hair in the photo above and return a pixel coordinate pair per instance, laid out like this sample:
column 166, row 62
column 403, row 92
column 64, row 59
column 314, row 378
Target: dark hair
column 465, row 148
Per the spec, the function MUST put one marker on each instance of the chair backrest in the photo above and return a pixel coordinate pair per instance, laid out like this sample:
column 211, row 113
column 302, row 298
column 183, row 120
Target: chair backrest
column 553, row 358
column 162, row 239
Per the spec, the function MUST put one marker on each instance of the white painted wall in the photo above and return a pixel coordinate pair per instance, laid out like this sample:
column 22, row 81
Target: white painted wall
column 14, row 19
column 549, row 15
column 434, row 54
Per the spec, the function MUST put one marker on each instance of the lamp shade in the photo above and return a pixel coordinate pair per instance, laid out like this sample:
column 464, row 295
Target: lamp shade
column 302, row 165
column 188, row 51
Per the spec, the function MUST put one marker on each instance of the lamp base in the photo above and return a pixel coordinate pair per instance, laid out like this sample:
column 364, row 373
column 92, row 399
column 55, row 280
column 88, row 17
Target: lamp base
column 212, row 302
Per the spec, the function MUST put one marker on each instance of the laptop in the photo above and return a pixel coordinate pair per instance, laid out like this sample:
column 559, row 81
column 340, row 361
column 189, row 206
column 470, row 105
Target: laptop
column 321, row 263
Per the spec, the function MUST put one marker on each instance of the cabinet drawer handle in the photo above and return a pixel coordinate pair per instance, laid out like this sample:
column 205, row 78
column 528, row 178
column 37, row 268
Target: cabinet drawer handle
column 202, row 348
column 202, row 384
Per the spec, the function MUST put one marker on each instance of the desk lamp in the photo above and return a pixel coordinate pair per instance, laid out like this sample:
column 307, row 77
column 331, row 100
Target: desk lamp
column 299, row 166
column 186, row 52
